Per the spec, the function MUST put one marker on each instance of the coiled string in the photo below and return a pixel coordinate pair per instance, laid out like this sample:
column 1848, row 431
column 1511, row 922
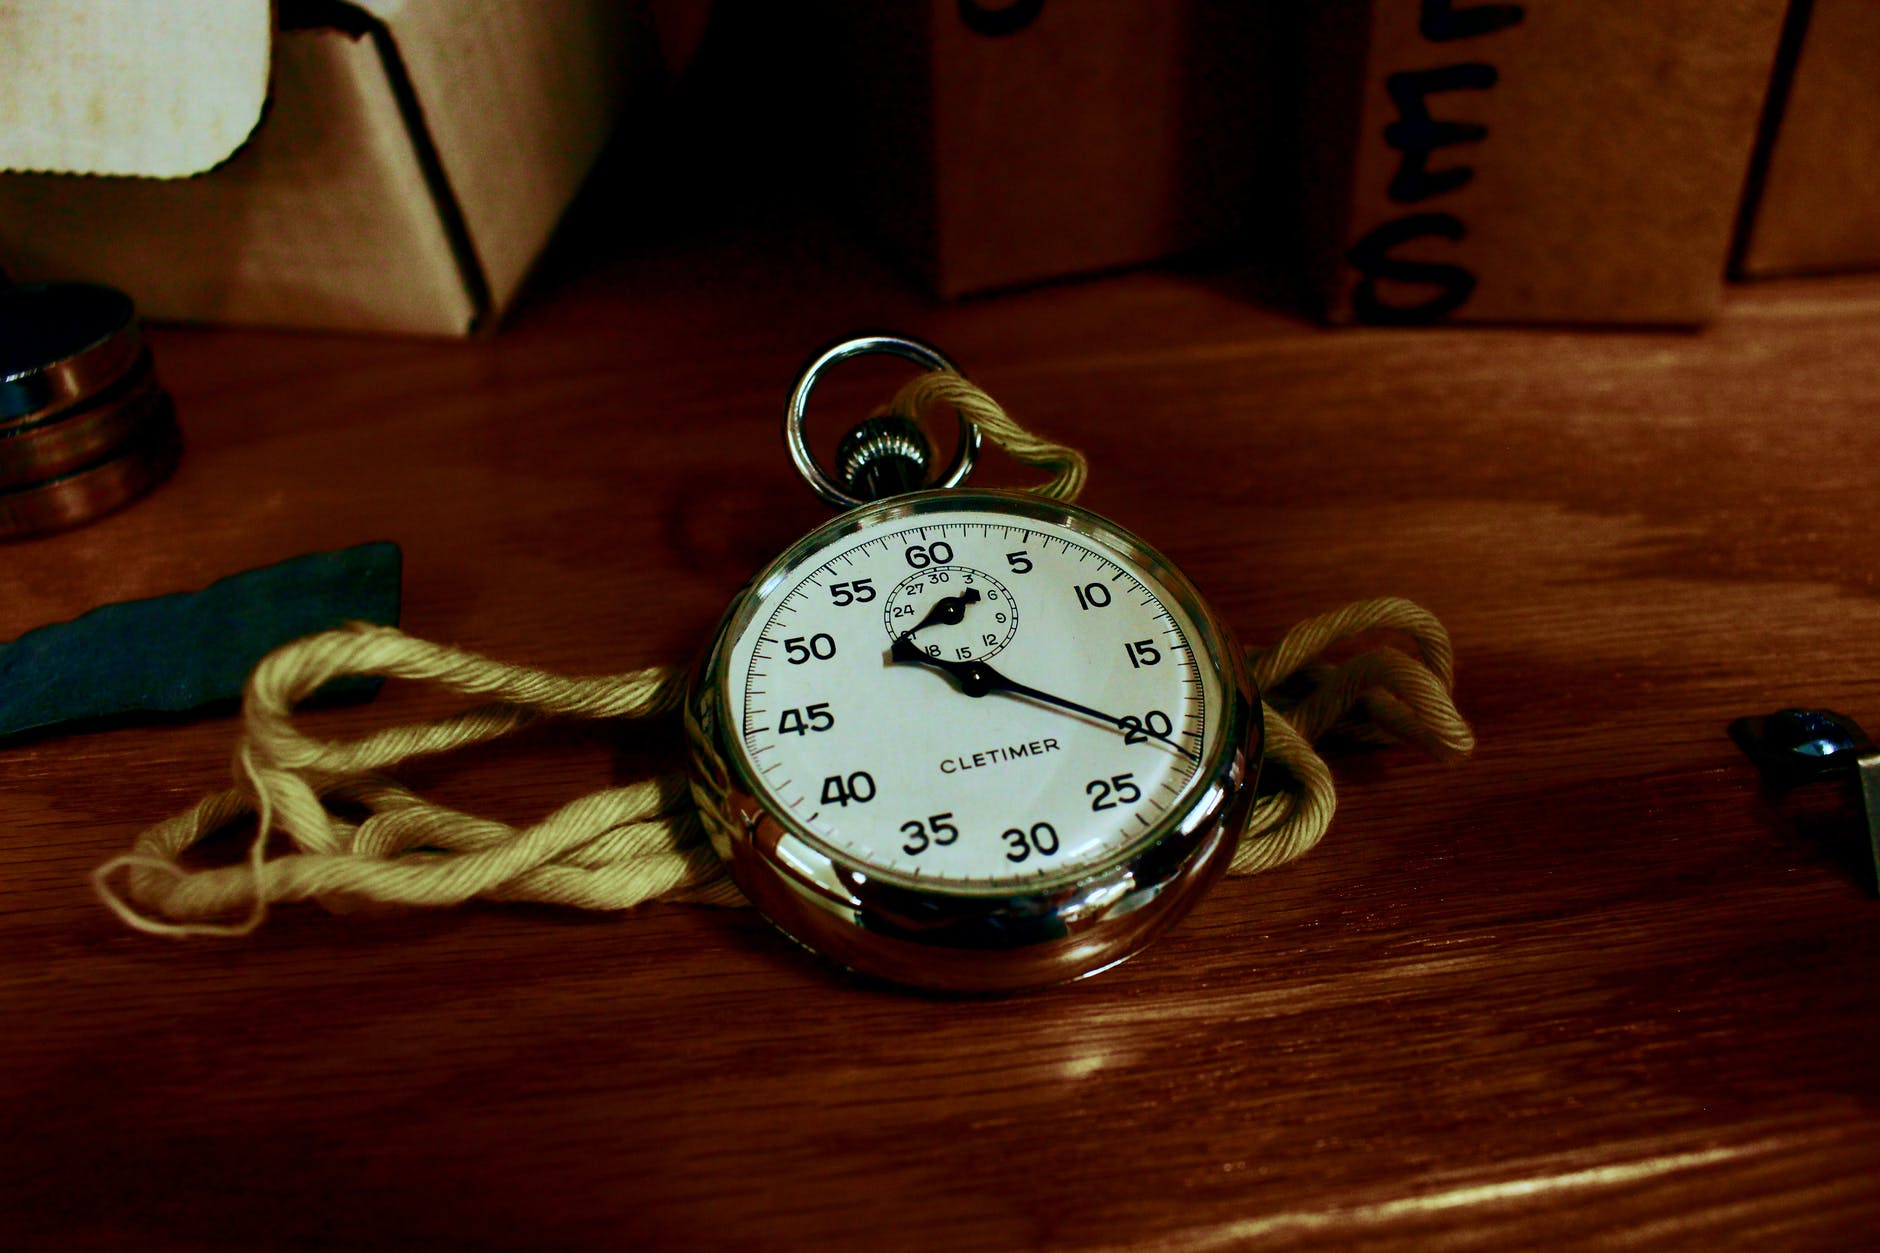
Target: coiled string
column 623, row 846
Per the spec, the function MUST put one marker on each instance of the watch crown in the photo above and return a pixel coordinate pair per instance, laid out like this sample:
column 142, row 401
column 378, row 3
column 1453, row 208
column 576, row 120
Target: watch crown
column 882, row 457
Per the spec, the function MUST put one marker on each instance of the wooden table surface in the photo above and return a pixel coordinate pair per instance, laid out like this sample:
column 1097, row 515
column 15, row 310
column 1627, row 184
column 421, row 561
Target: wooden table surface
column 1592, row 987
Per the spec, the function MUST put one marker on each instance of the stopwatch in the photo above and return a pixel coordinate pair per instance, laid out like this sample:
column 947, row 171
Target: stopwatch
column 969, row 739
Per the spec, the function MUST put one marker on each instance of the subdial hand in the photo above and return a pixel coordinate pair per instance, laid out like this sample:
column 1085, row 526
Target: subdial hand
column 976, row 678
column 947, row 611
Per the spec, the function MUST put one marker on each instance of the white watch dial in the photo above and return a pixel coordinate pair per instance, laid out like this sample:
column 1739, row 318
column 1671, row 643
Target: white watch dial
column 974, row 699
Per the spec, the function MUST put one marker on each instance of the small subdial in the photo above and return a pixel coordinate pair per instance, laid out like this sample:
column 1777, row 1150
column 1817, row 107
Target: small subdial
column 953, row 612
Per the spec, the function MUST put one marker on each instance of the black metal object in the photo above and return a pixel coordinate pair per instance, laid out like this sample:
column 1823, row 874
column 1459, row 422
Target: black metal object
column 1793, row 747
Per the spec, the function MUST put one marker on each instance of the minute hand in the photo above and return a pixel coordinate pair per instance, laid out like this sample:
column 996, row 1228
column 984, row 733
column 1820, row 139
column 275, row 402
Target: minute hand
column 976, row 678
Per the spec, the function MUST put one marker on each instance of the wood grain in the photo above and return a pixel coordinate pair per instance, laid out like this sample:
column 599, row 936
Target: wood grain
column 1592, row 987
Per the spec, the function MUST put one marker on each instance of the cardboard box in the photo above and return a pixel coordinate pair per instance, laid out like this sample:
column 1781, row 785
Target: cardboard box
column 1819, row 202
column 1576, row 161
column 390, row 165
column 1000, row 143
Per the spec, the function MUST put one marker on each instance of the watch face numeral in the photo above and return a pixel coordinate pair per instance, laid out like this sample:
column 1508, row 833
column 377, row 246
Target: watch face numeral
column 1019, row 562
column 943, row 832
column 821, row 646
column 1153, row 725
column 920, row 556
column 1021, row 844
column 858, row 787
column 1093, row 596
column 1109, row 793
column 802, row 721
column 1142, row 653
column 854, row 590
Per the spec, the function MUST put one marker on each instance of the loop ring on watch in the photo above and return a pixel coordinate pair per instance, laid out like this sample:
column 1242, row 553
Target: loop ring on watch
column 832, row 492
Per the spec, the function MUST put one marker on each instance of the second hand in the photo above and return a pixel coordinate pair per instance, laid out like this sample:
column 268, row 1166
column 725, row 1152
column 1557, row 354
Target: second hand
column 976, row 678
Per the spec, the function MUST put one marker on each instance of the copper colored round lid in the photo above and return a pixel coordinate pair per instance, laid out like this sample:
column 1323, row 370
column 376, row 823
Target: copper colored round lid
column 78, row 497
column 70, row 439
column 61, row 343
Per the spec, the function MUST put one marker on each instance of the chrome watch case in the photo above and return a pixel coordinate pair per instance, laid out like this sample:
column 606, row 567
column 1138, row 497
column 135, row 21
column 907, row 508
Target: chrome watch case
column 959, row 938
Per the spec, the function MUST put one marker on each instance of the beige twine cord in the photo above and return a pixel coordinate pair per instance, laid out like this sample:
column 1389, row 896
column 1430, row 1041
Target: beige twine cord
column 623, row 846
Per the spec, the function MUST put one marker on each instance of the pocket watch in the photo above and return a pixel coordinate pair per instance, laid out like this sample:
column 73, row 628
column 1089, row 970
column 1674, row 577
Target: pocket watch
column 967, row 739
